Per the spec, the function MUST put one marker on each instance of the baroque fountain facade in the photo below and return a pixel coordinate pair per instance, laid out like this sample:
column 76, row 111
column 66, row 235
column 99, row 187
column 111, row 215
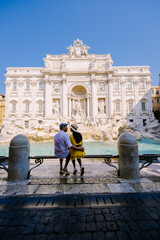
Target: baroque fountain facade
column 87, row 89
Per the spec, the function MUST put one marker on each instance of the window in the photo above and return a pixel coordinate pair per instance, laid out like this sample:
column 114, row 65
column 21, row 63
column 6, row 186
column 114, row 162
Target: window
column 116, row 85
column 130, row 106
column 40, row 122
column 141, row 70
column 129, row 85
column 28, row 85
column 142, row 85
column 157, row 100
column 157, row 92
column 117, row 106
column 131, row 120
column 128, row 70
column 14, row 85
column 13, row 107
column 41, row 86
column 40, row 107
column 144, row 122
column 26, row 123
column 152, row 101
column 27, row 107
column 143, row 104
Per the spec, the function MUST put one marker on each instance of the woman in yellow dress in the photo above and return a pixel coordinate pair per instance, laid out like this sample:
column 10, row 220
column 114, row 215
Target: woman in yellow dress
column 76, row 140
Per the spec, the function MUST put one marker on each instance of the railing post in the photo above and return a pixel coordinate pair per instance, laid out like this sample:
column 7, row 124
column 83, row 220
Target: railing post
column 128, row 162
column 18, row 163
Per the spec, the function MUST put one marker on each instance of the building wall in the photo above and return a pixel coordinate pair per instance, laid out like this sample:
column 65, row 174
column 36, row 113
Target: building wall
column 156, row 96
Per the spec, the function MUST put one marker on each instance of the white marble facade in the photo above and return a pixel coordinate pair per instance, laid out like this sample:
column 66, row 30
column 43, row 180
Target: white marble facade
column 81, row 87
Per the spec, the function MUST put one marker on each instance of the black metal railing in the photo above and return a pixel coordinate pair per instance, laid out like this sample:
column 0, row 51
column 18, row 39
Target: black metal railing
column 3, row 160
column 148, row 158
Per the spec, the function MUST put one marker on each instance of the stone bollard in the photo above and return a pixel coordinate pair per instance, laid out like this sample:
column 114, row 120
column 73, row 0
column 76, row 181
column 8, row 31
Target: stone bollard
column 128, row 163
column 18, row 163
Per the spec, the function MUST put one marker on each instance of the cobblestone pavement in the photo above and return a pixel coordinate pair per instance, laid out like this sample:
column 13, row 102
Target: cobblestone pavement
column 125, row 216
column 94, row 207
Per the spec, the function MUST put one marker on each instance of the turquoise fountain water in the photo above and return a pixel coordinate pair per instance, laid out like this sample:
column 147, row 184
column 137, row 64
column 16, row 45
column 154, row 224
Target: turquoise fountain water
column 146, row 146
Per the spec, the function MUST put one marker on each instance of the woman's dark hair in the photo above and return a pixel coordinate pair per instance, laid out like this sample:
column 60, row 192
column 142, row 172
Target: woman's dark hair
column 77, row 136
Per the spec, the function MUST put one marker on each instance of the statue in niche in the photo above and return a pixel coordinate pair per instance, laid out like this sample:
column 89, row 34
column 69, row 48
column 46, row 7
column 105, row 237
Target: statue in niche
column 56, row 108
column 78, row 111
column 77, row 108
column 101, row 106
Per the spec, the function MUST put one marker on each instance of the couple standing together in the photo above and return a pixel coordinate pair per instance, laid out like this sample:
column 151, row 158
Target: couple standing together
column 69, row 147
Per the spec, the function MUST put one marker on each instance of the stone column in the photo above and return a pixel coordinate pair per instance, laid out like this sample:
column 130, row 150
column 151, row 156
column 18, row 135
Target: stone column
column 110, row 94
column 94, row 106
column 64, row 96
column 69, row 107
column 88, row 112
column 34, row 107
column 107, row 100
column 123, row 97
column 48, row 97
column 20, row 98
column 84, row 103
column 136, row 97
column 7, row 107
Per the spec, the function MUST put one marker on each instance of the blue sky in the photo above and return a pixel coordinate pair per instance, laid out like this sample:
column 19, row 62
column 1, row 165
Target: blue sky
column 127, row 29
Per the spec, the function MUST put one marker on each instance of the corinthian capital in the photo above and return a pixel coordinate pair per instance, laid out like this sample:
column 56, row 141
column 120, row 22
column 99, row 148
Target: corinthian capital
column 48, row 81
column 136, row 80
column 64, row 78
column 93, row 78
column 110, row 77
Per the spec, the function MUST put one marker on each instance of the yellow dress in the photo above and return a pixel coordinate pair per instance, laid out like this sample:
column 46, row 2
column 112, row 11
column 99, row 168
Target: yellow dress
column 74, row 153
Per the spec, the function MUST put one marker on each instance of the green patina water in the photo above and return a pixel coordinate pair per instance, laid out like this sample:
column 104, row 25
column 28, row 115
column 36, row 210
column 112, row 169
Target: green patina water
column 146, row 146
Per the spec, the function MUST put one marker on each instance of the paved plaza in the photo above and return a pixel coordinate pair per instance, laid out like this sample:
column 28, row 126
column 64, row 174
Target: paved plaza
column 98, row 178
column 97, row 206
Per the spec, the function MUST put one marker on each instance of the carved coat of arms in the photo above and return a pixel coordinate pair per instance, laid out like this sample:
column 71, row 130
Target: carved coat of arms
column 78, row 49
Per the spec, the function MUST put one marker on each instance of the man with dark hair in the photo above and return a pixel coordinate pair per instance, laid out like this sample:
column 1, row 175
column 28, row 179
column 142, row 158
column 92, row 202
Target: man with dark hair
column 62, row 144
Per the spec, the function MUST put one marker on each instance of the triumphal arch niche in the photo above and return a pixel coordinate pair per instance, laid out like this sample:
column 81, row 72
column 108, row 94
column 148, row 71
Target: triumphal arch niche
column 80, row 87
column 79, row 109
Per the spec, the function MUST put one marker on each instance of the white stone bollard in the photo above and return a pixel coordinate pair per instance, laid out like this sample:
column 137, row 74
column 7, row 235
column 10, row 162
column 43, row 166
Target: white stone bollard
column 128, row 164
column 18, row 163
